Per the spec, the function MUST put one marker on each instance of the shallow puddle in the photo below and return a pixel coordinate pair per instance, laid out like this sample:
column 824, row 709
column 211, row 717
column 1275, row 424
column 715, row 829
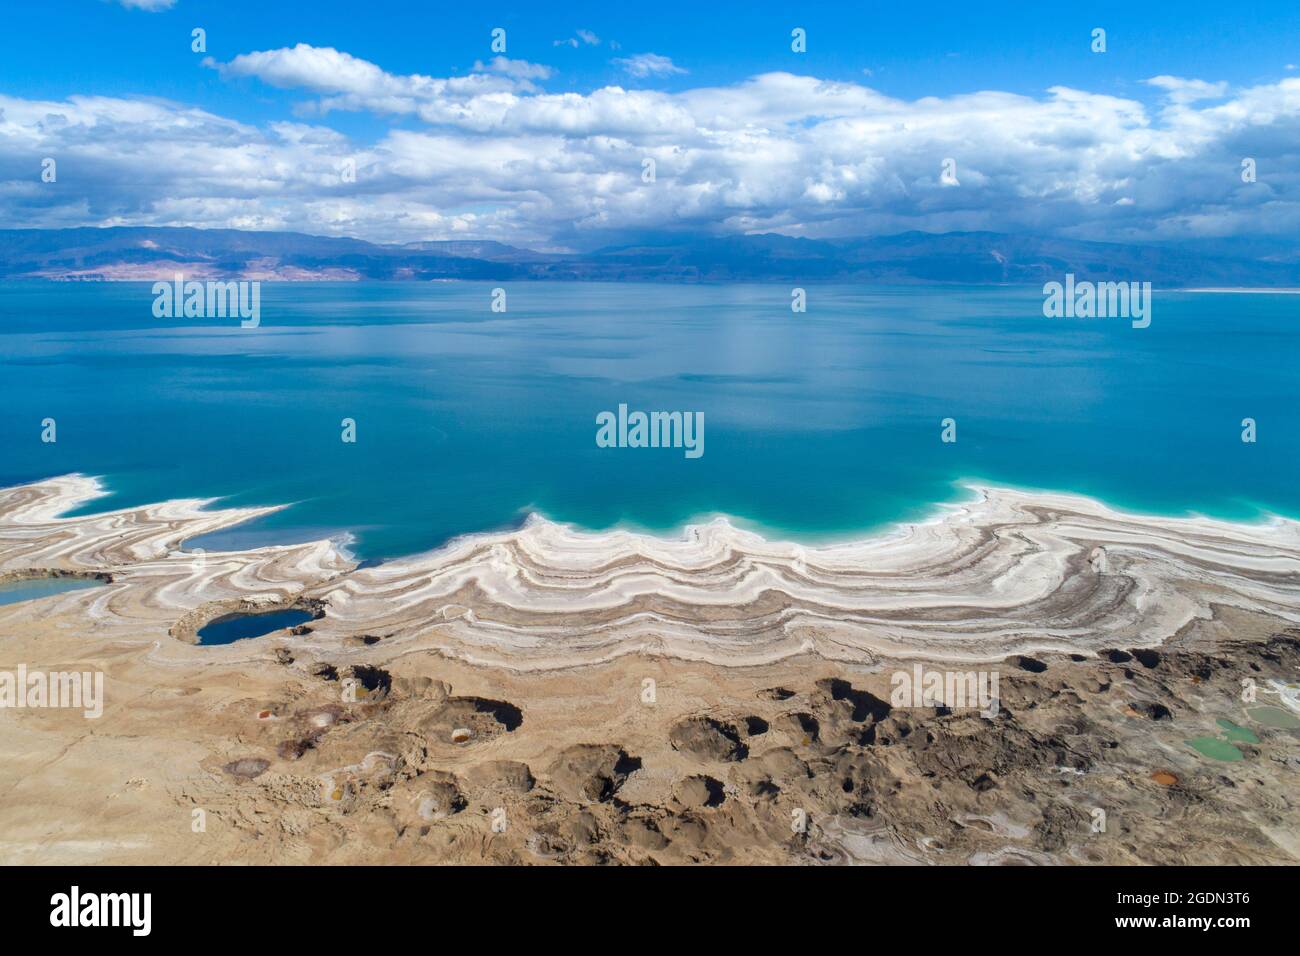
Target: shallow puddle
column 1216, row 748
column 1275, row 717
column 1236, row 732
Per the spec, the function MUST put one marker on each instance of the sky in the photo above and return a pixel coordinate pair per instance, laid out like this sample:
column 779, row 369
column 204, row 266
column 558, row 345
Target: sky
column 398, row 122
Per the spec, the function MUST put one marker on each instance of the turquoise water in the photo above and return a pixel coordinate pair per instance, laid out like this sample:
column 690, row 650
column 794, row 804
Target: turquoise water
column 14, row 591
column 822, row 424
column 231, row 629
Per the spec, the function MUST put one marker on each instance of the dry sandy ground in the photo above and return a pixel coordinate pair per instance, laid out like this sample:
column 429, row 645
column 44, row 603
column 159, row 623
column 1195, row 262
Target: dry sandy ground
column 546, row 696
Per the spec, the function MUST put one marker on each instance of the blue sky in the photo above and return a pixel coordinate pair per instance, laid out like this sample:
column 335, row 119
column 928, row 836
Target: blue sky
column 746, row 134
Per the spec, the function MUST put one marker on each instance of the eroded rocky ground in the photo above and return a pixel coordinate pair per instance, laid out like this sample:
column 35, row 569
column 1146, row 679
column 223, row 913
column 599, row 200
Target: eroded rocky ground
column 648, row 761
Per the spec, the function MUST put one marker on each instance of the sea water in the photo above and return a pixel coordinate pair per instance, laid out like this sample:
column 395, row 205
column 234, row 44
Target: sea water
column 822, row 424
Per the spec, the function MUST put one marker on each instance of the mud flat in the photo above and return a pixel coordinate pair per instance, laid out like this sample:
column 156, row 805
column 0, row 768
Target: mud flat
column 556, row 696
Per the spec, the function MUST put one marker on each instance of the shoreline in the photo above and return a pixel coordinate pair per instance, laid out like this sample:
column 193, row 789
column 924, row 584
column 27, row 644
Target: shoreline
column 1004, row 571
column 965, row 491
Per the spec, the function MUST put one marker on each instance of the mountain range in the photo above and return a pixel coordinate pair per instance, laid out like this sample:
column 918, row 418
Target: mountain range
column 980, row 258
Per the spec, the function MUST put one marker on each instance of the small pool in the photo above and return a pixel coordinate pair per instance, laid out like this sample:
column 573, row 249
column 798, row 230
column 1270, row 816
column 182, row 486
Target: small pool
column 1216, row 748
column 238, row 627
column 29, row 589
column 1275, row 717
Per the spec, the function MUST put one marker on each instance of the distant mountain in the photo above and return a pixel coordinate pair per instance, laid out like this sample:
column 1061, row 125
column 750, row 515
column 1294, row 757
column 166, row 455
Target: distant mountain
column 130, row 252
column 476, row 249
column 980, row 258
column 977, row 258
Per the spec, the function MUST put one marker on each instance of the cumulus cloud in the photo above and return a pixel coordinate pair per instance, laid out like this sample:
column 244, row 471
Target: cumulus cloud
column 351, row 83
column 642, row 65
column 319, row 69
column 494, row 155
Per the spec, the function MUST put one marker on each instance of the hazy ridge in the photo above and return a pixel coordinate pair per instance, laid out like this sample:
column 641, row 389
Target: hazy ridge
column 979, row 258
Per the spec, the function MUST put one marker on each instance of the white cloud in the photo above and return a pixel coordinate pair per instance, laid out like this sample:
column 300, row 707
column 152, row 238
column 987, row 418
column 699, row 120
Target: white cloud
column 583, row 37
column 642, row 65
column 519, row 69
column 490, row 155
column 321, row 70
column 1180, row 90
column 150, row 6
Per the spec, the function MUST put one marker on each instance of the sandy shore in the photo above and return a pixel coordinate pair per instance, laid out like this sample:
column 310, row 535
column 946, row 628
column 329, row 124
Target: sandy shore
column 556, row 695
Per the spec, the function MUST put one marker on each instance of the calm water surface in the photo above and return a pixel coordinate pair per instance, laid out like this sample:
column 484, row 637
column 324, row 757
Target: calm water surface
column 240, row 627
column 14, row 591
column 817, row 425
